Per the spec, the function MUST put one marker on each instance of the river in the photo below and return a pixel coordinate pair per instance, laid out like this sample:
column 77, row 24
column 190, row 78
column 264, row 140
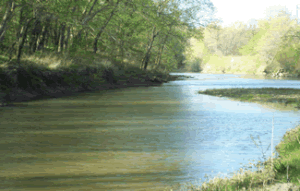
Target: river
column 138, row 138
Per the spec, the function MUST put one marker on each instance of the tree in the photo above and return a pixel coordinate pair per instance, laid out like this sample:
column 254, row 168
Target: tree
column 270, row 43
column 212, row 36
column 147, row 32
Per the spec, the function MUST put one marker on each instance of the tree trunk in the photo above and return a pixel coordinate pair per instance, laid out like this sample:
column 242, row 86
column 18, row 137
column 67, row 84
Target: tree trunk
column 6, row 18
column 146, row 60
column 21, row 24
column 104, row 26
column 158, row 59
column 41, row 43
column 76, row 41
column 148, row 52
column 68, row 38
column 86, row 40
column 22, row 40
column 122, row 51
column 56, row 34
column 61, row 38
column 35, row 33
column 86, row 17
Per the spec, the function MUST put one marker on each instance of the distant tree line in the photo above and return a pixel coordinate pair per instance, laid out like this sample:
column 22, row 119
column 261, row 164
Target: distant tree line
column 273, row 43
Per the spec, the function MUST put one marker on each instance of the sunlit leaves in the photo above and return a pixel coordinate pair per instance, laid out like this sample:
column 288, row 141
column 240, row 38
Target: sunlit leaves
column 125, row 27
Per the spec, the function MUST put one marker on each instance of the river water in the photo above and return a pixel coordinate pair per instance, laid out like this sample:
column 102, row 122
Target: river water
column 139, row 138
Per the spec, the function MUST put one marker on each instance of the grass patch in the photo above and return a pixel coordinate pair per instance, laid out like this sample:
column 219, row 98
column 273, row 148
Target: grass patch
column 247, row 97
column 286, row 96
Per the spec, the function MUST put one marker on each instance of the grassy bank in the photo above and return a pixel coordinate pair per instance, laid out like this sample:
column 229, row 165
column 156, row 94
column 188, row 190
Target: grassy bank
column 279, row 173
column 280, row 97
column 51, row 76
column 272, row 174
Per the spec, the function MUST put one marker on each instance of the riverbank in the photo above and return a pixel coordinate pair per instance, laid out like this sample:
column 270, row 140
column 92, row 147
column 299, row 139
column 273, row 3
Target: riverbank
column 29, row 80
column 280, row 173
column 283, row 97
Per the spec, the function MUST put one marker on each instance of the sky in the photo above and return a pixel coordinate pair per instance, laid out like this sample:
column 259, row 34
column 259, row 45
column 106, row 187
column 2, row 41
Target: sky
column 231, row 11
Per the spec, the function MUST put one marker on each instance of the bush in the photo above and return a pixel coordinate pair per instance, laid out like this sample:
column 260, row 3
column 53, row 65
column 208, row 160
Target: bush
column 196, row 65
column 109, row 76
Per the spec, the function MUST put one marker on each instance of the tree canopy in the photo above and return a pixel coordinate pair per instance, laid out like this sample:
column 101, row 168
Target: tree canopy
column 146, row 32
column 272, row 44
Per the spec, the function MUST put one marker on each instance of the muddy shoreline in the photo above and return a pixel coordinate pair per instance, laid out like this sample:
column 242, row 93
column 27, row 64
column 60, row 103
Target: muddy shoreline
column 19, row 95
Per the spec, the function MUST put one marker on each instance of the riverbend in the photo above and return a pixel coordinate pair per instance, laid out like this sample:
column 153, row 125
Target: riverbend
column 138, row 138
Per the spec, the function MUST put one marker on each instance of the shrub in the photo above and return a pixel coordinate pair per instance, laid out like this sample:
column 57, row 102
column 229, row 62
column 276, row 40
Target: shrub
column 196, row 65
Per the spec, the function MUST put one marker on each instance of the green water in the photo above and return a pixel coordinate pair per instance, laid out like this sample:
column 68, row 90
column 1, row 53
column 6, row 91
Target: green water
column 145, row 138
column 90, row 141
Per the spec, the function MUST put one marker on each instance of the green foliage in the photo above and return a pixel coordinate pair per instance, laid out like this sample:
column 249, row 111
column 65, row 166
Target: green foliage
column 226, row 40
column 265, row 96
column 196, row 65
column 247, row 97
column 249, row 48
column 115, row 30
column 194, row 55
column 6, row 81
column 288, row 56
column 75, row 66
column 271, row 45
column 279, row 166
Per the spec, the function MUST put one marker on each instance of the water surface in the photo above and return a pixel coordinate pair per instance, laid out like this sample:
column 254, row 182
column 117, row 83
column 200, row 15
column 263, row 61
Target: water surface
column 136, row 138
